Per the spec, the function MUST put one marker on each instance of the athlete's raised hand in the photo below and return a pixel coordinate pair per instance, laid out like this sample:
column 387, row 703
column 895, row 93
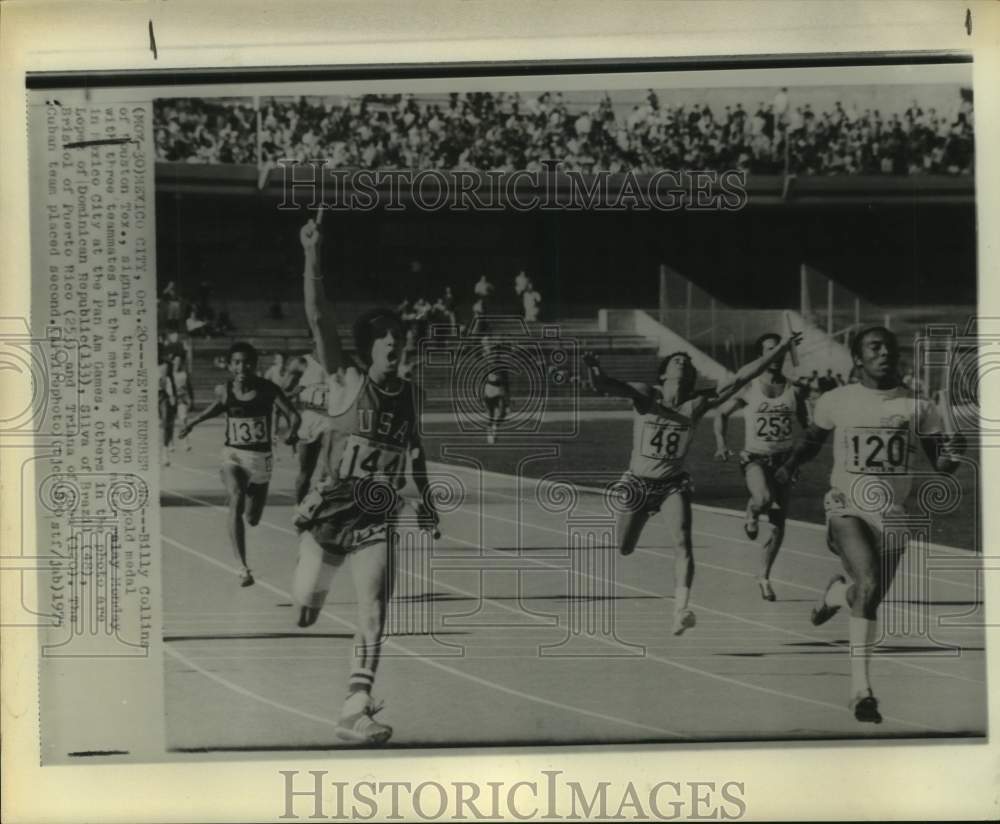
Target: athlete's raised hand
column 309, row 235
column 794, row 339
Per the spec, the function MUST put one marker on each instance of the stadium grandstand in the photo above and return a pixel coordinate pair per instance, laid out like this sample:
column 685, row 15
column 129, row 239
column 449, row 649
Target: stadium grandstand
column 806, row 131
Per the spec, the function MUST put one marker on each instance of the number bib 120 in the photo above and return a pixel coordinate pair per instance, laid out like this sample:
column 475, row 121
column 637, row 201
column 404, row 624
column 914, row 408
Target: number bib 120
column 363, row 458
column 875, row 450
column 665, row 442
column 246, row 431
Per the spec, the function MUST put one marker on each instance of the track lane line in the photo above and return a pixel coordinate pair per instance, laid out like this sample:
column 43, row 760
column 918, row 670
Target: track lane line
column 692, row 670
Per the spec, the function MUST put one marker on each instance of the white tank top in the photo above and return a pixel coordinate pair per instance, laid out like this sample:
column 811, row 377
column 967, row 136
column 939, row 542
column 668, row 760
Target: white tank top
column 876, row 443
column 769, row 421
column 659, row 445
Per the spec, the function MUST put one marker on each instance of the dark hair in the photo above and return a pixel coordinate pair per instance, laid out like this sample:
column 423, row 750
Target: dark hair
column 759, row 343
column 372, row 324
column 690, row 373
column 859, row 338
column 244, row 347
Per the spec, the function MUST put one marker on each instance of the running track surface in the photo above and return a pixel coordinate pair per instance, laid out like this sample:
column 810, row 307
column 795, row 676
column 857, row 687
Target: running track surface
column 484, row 650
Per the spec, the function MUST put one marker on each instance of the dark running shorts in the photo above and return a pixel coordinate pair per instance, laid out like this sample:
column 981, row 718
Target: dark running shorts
column 340, row 524
column 769, row 463
column 635, row 494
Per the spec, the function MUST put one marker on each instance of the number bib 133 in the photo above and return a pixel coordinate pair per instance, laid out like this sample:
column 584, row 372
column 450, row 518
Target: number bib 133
column 247, row 431
column 877, row 451
column 363, row 458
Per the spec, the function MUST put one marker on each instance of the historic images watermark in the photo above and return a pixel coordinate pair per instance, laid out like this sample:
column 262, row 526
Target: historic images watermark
column 551, row 796
column 549, row 188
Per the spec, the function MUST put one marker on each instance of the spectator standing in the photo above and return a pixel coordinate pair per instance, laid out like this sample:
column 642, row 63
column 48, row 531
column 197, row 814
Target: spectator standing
column 173, row 300
column 483, row 288
column 483, row 291
column 521, row 283
column 780, row 105
column 532, row 299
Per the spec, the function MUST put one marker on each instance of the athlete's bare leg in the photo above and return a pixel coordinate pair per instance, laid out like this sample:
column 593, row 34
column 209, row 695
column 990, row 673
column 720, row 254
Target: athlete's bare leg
column 374, row 579
column 779, row 500
column 256, row 500
column 168, row 413
column 858, row 547
column 677, row 516
column 236, row 481
column 307, row 455
column 180, row 421
column 760, row 498
column 629, row 528
column 760, row 490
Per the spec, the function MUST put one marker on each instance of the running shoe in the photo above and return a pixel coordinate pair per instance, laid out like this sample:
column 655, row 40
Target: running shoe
column 823, row 611
column 766, row 590
column 362, row 728
column 683, row 620
column 866, row 708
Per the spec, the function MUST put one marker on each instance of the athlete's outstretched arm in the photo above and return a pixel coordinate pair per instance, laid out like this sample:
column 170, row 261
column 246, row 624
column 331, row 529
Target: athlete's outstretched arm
column 217, row 408
column 750, row 371
column 639, row 393
column 291, row 413
column 801, row 409
column 426, row 512
column 291, row 383
column 805, row 449
column 722, row 450
column 319, row 309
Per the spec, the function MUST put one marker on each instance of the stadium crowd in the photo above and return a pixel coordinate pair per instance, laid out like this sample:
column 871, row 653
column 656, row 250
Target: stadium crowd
column 510, row 131
column 201, row 130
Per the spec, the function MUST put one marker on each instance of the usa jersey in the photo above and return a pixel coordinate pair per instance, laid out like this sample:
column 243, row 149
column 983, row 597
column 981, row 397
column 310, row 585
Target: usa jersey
column 369, row 434
column 248, row 422
column 659, row 445
column 769, row 421
column 876, row 442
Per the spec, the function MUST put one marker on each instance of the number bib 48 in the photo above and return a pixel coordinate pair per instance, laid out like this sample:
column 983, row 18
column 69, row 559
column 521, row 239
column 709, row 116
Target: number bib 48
column 247, row 431
column 363, row 458
column 665, row 442
column 873, row 450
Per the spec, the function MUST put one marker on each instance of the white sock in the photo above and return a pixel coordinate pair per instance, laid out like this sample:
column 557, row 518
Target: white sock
column 836, row 595
column 862, row 632
column 355, row 703
column 681, row 596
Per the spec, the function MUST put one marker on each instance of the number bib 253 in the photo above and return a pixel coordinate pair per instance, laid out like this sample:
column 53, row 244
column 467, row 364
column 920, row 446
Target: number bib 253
column 247, row 431
column 363, row 458
column 877, row 451
column 664, row 442
column 773, row 427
